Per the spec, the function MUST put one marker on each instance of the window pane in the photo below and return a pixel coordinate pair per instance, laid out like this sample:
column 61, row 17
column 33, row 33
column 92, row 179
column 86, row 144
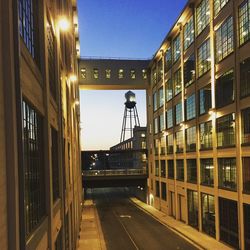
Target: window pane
column 156, row 128
column 178, row 113
column 206, row 140
column 162, row 125
column 155, row 101
column 164, row 191
column 161, row 97
column 208, row 214
column 176, row 48
column 170, row 144
column 245, row 78
column 245, row 126
column 169, row 90
column 189, row 33
column 180, row 170
column 163, row 168
column 189, row 71
column 244, row 21
column 193, row 211
column 168, row 58
column 202, row 16
column 192, row 171
column 171, row 169
column 218, row 5
column 205, row 102
column 170, row 118
column 190, row 107
column 247, row 225
column 179, row 142
column 204, row 60
column 177, row 82
column 191, row 139
column 246, row 174
column 207, row 172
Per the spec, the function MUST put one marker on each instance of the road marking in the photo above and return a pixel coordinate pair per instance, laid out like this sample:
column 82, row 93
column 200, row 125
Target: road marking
column 125, row 216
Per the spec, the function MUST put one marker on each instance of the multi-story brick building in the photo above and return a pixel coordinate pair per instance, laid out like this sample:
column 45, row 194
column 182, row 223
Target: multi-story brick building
column 199, row 120
column 40, row 176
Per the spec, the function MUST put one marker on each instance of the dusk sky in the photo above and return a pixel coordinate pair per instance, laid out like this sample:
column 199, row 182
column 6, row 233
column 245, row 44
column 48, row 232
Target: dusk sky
column 118, row 28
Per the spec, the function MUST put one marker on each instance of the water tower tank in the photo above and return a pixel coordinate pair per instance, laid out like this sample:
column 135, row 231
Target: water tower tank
column 130, row 100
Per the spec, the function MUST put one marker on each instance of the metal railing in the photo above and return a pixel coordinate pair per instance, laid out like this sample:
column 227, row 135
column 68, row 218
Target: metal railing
column 114, row 172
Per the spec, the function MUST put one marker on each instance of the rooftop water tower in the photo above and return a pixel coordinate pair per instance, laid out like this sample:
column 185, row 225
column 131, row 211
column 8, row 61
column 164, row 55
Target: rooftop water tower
column 130, row 118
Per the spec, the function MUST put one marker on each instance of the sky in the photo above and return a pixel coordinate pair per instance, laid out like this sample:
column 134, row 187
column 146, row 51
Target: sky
column 123, row 29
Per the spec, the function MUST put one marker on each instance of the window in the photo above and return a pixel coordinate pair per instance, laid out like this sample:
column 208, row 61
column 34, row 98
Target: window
column 28, row 25
column 163, row 145
column 162, row 125
column 170, row 169
column 156, row 168
column 169, row 90
column 224, row 39
column 132, row 74
column 189, row 33
column 205, row 101
column 225, row 89
column 247, row 225
column 159, row 70
column 120, row 73
column 191, row 171
column 193, row 211
column 164, row 191
column 161, row 97
column 83, row 73
column 218, row 5
column 154, row 76
column 202, row 16
column 157, row 189
column 176, row 48
column 245, row 78
column 204, row 60
column 208, row 214
column 55, row 164
column 191, row 139
column 156, row 146
column 155, row 101
column 180, row 170
column 163, row 168
column 95, row 73
column 169, row 118
column 228, row 215
column 170, row 144
column 51, row 49
column 244, row 21
column 33, row 168
column 108, row 73
column 225, row 129
column 156, row 129
column 144, row 74
column 206, row 139
column 177, row 81
column 245, row 116
column 189, row 71
column 168, row 58
column 227, row 173
column 190, row 107
column 207, row 172
column 246, row 174
column 178, row 113
column 179, row 142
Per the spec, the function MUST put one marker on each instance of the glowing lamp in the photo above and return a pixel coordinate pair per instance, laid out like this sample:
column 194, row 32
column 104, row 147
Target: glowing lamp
column 73, row 78
column 63, row 24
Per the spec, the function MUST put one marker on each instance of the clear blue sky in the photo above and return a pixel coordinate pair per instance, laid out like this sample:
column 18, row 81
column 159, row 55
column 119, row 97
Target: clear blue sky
column 118, row 28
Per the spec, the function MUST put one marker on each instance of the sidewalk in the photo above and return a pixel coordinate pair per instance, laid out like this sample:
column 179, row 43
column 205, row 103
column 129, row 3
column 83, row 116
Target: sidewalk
column 199, row 239
column 91, row 236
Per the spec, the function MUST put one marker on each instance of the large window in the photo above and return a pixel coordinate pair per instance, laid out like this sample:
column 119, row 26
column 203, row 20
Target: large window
column 168, row 58
column 244, row 21
column 170, row 118
column 229, row 222
column 204, row 60
column 227, row 173
column 159, row 70
column 157, row 189
column 162, row 125
column 190, row 107
column 177, row 82
column 169, row 90
column 205, row 101
column 156, row 168
column 208, row 214
column 163, row 168
column 161, row 97
column 191, row 139
column 192, row 171
column 207, row 172
column 154, row 76
column 180, row 170
column 246, row 174
column 245, row 123
column 156, row 127
column 224, row 37
column 170, row 169
column 178, row 113
column 155, row 101
column 202, row 16
column 164, row 191
column 225, row 89
column 245, row 78
column 193, row 211
column 189, row 32
column 189, row 71
column 163, row 145
column 179, row 142
column 218, row 5
column 247, row 225
column 176, row 48
column 206, row 139
column 33, row 168
column 170, row 144
column 225, row 129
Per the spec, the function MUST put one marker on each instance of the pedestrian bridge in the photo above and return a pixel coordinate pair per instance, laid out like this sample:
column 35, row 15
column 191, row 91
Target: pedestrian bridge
column 113, row 73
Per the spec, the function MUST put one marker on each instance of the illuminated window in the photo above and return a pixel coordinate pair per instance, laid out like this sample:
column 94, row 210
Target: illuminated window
column 246, row 174
column 180, row 170
column 144, row 74
column 132, row 74
column 162, row 127
column 245, row 78
column 193, row 208
column 169, row 90
column 178, row 113
column 224, row 37
column 83, row 73
column 191, row 139
column 168, row 58
column 207, row 172
column 202, row 16
column 159, row 70
column 206, row 139
column 169, row 118
column 189, row 71
column 208, row 214
column 205, row 101
column 189, row 33
column 204, row 60
column 108, row 73
column 155, row 101
column 244, row 21
column 95, row 73
column 176, row 48
column 163, row 145
column 245, row 123
column 218, row 5
column 190, row 107
column 170, row 144
column 179, row 142
column 143, row 145
column 161, row 97
column 177, row 81
column 120, row 73
column 156, row 128
column 154, row 76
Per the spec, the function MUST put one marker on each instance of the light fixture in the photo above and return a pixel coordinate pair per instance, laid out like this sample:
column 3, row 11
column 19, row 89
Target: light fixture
column 73, row 78
column 63, row 23
column 77, row 103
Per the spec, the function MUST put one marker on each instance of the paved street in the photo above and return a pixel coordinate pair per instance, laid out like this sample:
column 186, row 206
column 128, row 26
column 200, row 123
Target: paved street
column 125, row 226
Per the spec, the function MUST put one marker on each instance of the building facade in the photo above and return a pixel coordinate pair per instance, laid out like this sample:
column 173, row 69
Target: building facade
column 199, row 120
column 40, row 176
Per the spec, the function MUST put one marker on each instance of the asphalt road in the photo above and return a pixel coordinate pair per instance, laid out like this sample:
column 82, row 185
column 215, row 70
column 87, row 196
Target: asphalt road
column 127, row 227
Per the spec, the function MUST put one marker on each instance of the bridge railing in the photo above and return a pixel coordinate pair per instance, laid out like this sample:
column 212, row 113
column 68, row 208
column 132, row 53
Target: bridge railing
column 114, row 172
